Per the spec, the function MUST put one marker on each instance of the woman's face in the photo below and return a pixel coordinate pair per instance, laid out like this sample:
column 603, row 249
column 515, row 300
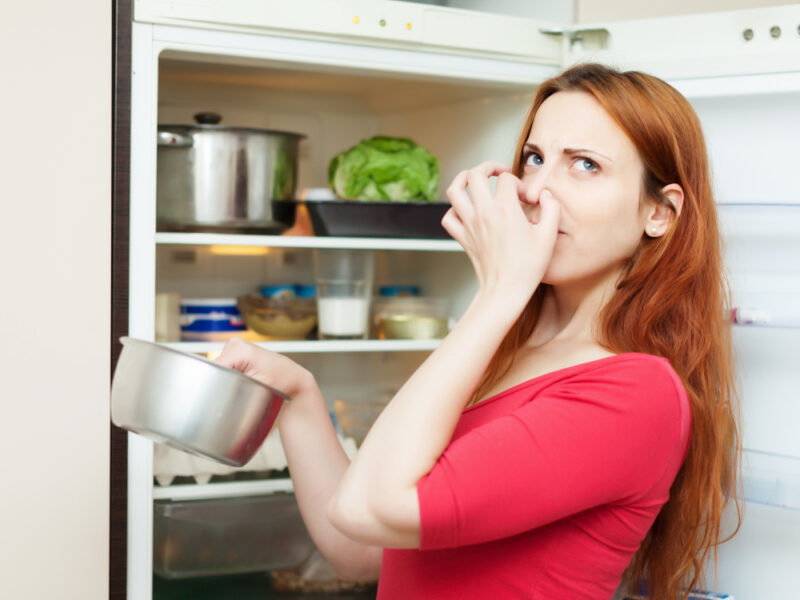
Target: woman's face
column 577, row 152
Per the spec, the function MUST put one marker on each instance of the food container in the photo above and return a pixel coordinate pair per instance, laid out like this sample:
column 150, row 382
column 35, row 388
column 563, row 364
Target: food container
column 388, row 291
column 219, row 536
column 353, row 218
column 411, row 318
column 216, row 178
column 191, row 403
column 210, row 319
column 281, row 317
column 168, row 317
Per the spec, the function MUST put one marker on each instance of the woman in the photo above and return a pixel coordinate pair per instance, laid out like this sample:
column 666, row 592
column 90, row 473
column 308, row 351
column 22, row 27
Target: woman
column 575, row 429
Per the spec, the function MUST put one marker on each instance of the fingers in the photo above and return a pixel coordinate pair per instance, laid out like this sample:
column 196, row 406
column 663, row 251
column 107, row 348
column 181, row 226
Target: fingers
column 510, row 191
column 453, row 225
column 235, row 354
column 550, row 216
column 477, row 180
column 457, row 194
column 490, row 168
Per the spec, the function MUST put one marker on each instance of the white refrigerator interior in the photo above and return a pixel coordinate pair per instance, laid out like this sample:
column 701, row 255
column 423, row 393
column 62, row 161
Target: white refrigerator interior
column 459, row 82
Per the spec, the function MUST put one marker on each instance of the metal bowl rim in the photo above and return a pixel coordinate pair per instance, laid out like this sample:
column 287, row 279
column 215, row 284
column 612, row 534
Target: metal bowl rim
column 127, row 339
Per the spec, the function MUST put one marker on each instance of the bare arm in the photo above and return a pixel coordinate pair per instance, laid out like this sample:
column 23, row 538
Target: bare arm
column 315, row 456
column 376, row 502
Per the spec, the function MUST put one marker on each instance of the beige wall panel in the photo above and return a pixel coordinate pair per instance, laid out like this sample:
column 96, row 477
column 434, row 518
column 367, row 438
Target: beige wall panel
column 587, row 11
column 55, row 66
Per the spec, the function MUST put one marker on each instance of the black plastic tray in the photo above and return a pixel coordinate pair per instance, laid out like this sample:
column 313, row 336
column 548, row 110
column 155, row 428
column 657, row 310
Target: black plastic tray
column 349, row 218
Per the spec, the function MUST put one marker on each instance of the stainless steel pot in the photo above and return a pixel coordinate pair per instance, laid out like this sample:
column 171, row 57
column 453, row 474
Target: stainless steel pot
column 212, row 177
column 191, row 403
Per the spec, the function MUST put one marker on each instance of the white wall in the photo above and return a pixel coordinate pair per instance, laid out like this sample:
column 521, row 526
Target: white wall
column 55, row 182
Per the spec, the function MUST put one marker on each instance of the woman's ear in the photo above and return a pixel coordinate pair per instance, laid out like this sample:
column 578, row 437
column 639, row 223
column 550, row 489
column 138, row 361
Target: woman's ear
column 660, row 216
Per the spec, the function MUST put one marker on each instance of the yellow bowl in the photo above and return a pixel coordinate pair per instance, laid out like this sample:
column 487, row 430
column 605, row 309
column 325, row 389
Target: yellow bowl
column 406, row 327
column 283, row 319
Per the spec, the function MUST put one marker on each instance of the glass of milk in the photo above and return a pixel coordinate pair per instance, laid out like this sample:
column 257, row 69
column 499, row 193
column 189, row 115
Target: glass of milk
column 344, row 292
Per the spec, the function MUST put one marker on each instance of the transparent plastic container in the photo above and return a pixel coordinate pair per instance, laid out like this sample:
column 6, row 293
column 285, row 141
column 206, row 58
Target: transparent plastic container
column 411, row 318
column 222, row 536
column 280, row 317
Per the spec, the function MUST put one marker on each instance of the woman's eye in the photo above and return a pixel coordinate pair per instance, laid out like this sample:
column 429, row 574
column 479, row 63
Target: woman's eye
column 586, row 164
column 533, row 160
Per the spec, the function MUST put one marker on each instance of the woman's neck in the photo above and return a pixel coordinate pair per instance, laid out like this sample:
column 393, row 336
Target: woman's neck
column 569, row 312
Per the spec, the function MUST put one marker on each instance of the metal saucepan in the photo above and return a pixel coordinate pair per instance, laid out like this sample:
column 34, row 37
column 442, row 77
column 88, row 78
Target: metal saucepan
column 216, row 178
column 191, row 403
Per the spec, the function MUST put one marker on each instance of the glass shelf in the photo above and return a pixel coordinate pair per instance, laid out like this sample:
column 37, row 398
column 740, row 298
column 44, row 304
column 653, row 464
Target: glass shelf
column 228, row 489
column 316, row 346
column 288, row 241
column 771, row 479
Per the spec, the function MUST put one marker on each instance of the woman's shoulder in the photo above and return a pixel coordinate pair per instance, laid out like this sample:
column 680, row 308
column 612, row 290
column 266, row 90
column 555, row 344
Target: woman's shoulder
column 630, row 370
column 592, row 362
column 641, row 384
column 588, row 368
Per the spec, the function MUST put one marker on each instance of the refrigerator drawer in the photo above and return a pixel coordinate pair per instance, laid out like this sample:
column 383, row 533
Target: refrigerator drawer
column 228, row 535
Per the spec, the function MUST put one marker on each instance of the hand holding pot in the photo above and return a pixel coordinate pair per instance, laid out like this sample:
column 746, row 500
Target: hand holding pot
column 270, row 368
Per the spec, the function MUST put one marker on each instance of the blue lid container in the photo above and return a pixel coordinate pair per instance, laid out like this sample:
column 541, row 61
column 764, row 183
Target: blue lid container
column 283, row 290
column 210, row 315
column 305, row 291
column 398, row 290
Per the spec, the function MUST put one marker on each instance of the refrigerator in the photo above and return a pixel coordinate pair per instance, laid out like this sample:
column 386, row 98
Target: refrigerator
column 459, row 82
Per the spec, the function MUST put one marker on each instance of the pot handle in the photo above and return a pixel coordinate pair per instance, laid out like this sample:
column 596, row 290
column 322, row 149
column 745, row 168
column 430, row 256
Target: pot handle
column 208, row 118
column 176, row 140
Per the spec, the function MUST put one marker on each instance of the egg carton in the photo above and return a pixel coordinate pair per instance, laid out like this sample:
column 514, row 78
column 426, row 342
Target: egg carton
column 169, row 463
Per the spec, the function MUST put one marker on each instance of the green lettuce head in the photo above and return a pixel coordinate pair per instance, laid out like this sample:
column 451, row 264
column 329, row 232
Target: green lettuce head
column 385, row 169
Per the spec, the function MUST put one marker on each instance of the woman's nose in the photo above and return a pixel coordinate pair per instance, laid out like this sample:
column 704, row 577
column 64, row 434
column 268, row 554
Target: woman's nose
column 533, row 191
column 535, row 184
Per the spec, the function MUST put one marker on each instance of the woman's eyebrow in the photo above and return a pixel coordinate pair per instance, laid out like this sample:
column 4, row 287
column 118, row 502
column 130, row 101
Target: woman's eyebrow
column 569, row 151
column 572, row 151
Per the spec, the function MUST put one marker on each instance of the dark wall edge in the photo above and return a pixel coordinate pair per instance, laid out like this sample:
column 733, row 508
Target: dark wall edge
column 122, row 13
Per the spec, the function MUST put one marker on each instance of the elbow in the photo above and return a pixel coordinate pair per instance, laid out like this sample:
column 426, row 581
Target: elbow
column 347, row 514
column 385, row 523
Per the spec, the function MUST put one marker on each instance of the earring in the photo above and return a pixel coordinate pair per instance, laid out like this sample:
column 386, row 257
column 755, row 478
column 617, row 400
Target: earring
column 653, row 231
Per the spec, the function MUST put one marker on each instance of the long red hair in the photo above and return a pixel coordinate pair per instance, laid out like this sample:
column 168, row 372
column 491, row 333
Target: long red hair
column 670, row 301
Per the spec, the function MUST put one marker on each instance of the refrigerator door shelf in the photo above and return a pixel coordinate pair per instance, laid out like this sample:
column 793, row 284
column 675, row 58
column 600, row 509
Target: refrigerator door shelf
column 771, row 479
column 762, row 255
column 757, row 317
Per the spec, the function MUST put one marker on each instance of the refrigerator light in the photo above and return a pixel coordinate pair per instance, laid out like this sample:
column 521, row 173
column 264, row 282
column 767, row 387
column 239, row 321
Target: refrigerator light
column 239, row 250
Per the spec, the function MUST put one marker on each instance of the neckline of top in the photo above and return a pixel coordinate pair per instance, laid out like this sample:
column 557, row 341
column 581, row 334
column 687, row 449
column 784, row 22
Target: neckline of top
column 564, row 371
